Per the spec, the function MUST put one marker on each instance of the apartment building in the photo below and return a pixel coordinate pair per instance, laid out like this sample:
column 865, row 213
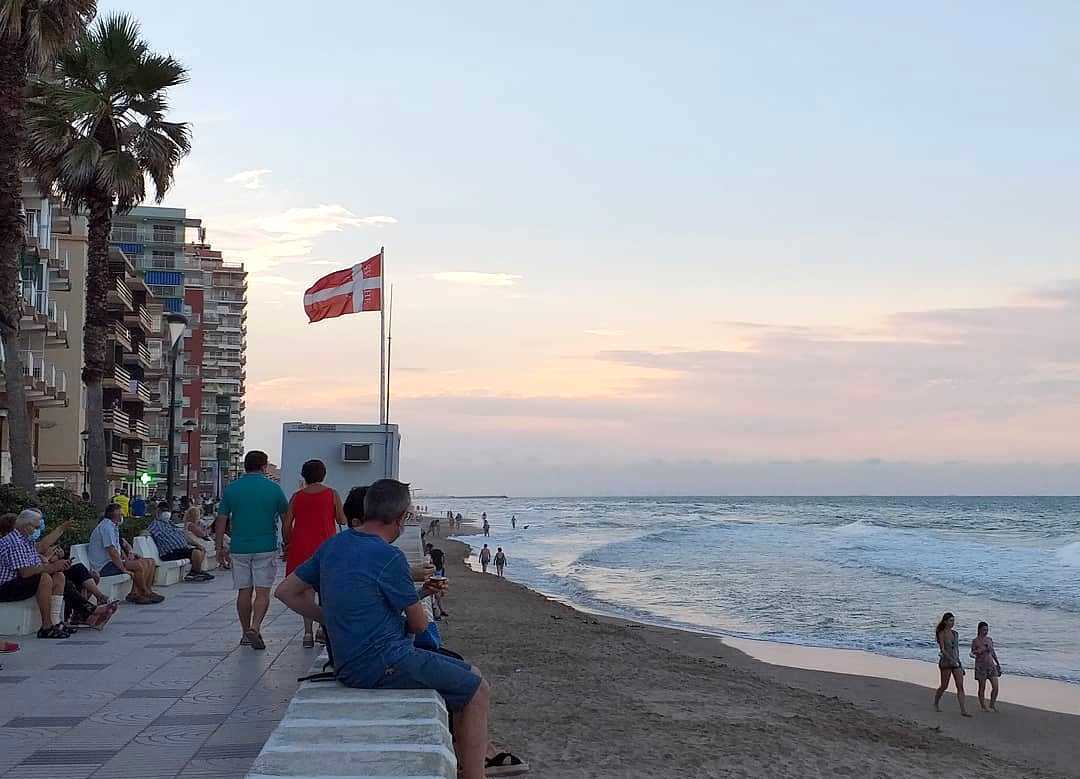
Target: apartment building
column 187, row 275
column 46, row 323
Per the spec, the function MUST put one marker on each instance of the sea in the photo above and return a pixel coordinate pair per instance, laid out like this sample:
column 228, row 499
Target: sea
column 866, row 573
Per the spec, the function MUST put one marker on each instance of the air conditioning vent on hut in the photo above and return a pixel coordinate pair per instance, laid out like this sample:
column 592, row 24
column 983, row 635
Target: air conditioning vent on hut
column 356, row 453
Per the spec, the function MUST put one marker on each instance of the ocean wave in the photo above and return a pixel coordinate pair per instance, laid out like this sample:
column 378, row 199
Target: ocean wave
column 1069, row 554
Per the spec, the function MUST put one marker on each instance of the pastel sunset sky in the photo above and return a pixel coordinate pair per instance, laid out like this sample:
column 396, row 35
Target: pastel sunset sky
column 640, row 248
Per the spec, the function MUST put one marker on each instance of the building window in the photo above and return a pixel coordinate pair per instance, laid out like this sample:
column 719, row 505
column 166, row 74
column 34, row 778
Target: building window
column 164, row 233
column 163, row 260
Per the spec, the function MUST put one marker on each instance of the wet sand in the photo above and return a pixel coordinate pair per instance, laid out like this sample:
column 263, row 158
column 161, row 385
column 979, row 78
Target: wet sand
column 584, row 696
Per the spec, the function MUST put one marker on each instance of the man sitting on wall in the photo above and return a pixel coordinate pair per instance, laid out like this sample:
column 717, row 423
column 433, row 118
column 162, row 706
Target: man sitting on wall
column 111, row 555
column 172, row 544
column 371, row 610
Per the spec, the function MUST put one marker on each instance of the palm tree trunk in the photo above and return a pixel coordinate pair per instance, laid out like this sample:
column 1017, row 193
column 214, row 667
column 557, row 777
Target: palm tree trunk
column 12, row 85
column 98, row 280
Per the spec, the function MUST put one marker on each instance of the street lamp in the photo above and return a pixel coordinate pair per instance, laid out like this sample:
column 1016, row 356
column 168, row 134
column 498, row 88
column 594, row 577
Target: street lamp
column 85, row 436
column 175, row 324
column 189, row 426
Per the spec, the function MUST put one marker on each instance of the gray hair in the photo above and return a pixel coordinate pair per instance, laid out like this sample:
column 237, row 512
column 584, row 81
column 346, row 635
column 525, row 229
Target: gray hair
column 386, row 500
column 27, row 518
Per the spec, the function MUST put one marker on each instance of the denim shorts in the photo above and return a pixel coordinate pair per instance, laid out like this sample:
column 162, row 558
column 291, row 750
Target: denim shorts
column 453, row 679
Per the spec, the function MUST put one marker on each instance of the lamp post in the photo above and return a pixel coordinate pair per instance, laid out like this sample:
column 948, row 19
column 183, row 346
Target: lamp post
column 85, row 436
column 189, row 426
column 175, row 324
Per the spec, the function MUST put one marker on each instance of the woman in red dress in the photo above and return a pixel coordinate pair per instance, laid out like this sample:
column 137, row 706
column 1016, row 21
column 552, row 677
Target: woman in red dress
column 314, row 515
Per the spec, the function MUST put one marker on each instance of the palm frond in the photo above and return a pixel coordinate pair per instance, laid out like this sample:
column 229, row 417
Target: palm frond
column 157, row 72
column 43, row 26
column 121, row 174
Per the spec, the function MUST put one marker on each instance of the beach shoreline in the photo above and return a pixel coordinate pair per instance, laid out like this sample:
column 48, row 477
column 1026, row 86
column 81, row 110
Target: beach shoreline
column 713, row 708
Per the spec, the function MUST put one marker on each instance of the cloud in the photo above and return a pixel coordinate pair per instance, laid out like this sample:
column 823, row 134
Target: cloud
column 477, row 279
column 316, row 220
column 605, row 333
column 248, row 179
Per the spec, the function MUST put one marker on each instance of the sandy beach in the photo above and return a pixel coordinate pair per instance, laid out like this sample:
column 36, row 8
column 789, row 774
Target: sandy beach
column 586, row 696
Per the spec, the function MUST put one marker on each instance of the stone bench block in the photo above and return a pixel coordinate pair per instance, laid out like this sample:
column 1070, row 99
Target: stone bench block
column 323, row 733
column 20, row 617
column 368, row 710
column 356, row 761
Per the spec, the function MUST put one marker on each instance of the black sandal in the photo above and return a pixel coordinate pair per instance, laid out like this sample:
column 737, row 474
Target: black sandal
column 505, row 764
column 53, row 632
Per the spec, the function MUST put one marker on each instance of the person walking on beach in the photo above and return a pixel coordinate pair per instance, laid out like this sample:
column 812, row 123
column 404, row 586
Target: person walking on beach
column 500, row 561
column 987, row 666
column 487, row 527
column 485, row 558
column 949, row 661
column 253, row 504
column 314, row 515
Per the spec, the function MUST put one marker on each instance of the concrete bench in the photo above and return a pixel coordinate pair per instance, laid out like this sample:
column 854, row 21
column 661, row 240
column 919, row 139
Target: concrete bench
column 115, row 587
column 330, row 730
column 20, row 618
column 168, row 572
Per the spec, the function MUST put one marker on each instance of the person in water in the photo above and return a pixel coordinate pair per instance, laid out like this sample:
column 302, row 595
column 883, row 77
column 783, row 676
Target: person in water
column 987, row 666
column 949, row 662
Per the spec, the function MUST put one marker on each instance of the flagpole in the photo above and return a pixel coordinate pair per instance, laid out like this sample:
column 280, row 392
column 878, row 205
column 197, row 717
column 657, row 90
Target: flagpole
column 382, row 338
column 389, row 355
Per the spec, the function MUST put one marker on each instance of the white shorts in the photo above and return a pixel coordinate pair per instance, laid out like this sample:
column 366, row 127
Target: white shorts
column 254, row 570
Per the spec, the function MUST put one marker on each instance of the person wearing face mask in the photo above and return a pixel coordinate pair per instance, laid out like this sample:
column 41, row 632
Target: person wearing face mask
column 23, row 575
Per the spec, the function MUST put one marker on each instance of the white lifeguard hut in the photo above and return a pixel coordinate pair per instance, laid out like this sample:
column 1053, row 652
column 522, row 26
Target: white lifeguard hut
column 354, row 455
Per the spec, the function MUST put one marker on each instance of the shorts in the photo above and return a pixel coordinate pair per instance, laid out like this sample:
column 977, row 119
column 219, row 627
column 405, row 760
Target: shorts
column 110, row 569
column 176, row 554
column 254, row 570
column 985, row 674
column 453, row 679
column 19, row 588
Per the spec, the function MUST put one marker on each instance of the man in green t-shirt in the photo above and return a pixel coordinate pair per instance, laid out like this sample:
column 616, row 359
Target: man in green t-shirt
column 252, row 505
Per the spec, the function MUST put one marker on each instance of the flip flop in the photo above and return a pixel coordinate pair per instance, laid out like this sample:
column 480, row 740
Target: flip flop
column 505, row 764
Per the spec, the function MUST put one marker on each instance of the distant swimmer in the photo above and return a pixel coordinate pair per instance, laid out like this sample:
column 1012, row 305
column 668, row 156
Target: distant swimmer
column 513, row 521
column 949, row 662
column 987, row 666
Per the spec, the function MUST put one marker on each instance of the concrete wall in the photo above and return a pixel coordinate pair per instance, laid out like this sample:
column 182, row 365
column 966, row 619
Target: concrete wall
column 303, row 441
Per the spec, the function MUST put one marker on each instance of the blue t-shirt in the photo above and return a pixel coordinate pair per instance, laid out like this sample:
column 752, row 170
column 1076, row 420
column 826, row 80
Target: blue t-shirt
column 364, row 585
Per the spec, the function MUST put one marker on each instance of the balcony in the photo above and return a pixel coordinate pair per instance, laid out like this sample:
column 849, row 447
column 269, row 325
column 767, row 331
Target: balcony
column 59, row 266
column 139, row 355
column 117, row 377
column 119, row 296
column 136, row 392
column 138, row 430
column 56, row 325
column 117, row 464
column 140, row 319
column 116, row 420
column 119, row 333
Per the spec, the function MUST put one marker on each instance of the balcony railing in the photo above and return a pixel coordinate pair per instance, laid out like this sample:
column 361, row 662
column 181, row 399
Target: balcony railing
column 140, row 428
column 121, row 335
column 121, row 375
column 116, row 419
column 121, row 294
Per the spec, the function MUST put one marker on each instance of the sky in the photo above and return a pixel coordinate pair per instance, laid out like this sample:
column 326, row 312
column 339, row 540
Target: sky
column 698, row 248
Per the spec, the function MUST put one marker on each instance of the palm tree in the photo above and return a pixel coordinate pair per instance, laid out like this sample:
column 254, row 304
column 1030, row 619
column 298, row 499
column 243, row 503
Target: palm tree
column 31, row 31
column 96, row 130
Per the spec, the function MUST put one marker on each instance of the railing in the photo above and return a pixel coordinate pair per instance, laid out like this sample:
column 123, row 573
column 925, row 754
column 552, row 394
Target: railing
column 118, row 459
column 124, row 234
column 140, row 428
column 144, row 355
column 129, row 234
column 123, row 292
column 122, row 335
column 114, row 417
column 146, row 319
column 121, row 376
column 140, row 389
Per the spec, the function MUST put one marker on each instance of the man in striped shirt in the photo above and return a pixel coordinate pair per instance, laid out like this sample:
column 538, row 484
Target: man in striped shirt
column 172, row 544
column 23, row 574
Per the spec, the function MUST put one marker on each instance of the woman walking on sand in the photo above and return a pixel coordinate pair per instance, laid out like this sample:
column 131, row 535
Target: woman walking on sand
column 949, row 662
column 314, row 515
column 987, row 666
column 500, row 561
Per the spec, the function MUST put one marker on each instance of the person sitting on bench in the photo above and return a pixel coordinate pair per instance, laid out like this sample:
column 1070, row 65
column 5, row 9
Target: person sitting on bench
column 172, row 544
column 111, row 555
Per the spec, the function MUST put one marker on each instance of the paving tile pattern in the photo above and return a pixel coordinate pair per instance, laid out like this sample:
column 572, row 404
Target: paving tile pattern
column 164, row 692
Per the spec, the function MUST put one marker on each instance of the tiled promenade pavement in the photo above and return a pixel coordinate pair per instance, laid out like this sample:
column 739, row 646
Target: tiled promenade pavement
column 164, row 691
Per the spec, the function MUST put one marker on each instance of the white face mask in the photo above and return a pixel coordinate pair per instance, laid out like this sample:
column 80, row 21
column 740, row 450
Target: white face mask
column 165, row 516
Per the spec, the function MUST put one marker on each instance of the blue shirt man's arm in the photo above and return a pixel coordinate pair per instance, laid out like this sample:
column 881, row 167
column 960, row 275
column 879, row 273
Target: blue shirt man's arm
column 395, row 584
